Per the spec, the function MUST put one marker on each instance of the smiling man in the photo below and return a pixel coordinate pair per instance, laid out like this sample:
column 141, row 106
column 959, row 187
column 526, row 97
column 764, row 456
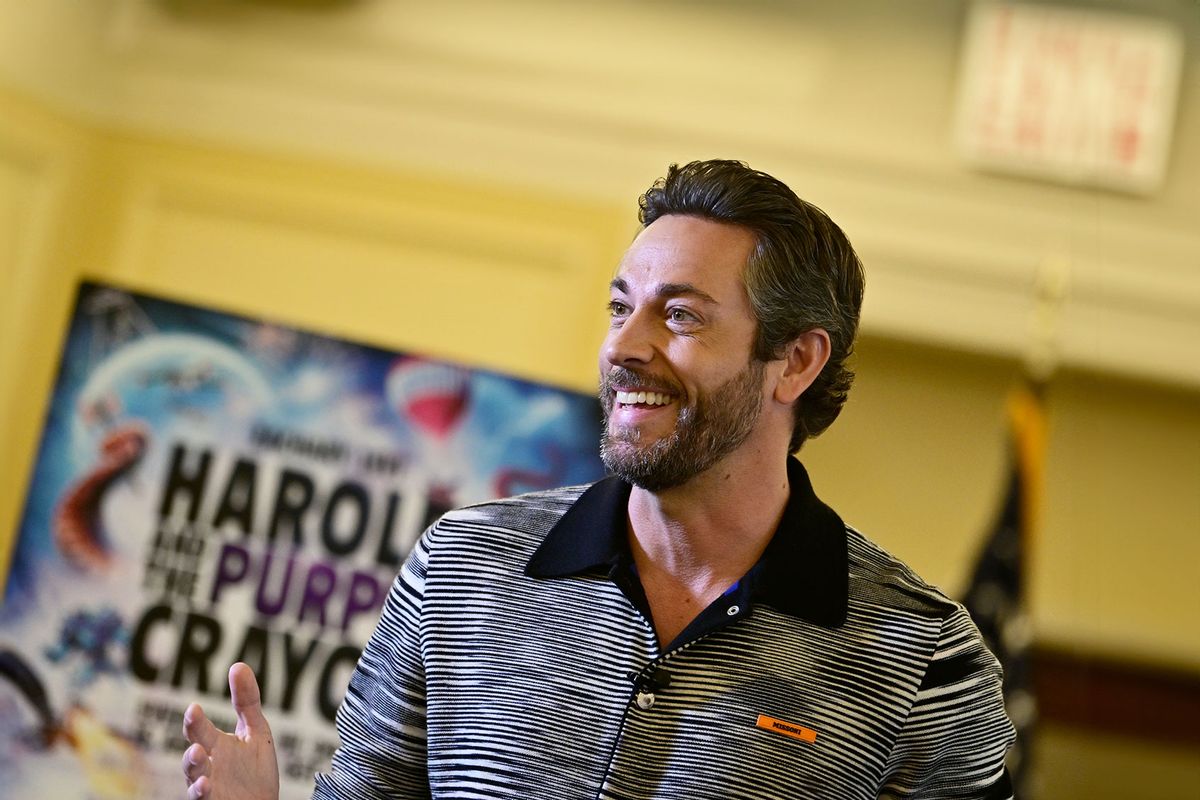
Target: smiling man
column 699, row 624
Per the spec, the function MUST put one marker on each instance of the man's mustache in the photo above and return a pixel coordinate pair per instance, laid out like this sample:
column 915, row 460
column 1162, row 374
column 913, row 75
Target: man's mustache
column 635, row 381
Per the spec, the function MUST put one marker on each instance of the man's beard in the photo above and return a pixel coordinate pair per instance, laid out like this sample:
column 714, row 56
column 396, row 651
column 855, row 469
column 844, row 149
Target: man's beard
column 707, row 430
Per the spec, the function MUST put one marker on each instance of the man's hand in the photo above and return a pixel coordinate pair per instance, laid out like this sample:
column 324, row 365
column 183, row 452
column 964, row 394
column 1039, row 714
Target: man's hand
column 232, row 766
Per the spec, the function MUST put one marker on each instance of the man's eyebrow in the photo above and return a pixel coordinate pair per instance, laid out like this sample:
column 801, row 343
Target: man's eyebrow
column 678, row 289
column 668, row 290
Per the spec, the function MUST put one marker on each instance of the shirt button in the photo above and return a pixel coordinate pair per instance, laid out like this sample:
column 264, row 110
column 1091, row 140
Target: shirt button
column 645, row 700
column 732, row 610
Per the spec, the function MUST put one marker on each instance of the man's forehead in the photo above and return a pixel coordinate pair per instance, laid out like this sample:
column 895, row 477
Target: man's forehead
column 683, row 255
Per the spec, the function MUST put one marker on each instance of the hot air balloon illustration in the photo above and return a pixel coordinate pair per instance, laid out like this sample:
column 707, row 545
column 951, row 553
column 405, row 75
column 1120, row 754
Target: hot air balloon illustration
column 433, row 397
column 432, row 394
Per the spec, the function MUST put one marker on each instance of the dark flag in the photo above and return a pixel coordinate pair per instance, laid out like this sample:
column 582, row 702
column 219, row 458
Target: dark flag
column 996, row 594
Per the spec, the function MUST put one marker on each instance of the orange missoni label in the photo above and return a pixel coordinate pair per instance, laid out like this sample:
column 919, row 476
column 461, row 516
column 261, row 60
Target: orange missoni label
column 786, row 728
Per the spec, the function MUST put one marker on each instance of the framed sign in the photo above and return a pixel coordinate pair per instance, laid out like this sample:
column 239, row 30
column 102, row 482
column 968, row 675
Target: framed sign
column 211, row 488
column 1074, row 95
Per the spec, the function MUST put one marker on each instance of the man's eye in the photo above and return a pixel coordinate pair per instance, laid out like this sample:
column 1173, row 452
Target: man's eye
column 680, row 315
column 617, row 309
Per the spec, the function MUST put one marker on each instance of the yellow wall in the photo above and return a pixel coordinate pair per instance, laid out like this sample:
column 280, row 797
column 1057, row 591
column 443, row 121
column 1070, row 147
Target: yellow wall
column 44, row 206
column 513, row 279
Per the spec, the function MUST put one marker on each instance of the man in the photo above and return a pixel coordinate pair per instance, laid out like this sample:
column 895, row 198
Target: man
column 699, row 625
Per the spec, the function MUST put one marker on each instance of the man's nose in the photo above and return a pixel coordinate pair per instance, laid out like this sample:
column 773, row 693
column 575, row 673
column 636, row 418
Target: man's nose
column 630, row 343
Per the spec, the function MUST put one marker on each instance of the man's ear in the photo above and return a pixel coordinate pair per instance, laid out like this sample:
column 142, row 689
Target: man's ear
column 804, row 359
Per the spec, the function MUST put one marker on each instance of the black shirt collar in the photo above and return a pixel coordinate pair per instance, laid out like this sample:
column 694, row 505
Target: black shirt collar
column 804, row 570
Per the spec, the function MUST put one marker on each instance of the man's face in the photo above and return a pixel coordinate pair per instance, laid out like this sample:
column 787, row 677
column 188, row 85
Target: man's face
column 677, row 382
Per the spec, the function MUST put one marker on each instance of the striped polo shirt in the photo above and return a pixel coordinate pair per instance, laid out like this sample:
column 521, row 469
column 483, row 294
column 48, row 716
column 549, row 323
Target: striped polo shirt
column 515, row 658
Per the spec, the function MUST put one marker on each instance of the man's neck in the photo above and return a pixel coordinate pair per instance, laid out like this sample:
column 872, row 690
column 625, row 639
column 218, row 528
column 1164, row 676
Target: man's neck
column 692, row 542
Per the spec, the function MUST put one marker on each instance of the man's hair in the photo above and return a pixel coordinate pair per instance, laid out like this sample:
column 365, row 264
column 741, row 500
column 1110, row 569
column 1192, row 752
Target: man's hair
column 803, row 273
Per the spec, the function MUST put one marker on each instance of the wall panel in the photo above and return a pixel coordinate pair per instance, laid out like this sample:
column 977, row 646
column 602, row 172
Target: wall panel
column 496, row 279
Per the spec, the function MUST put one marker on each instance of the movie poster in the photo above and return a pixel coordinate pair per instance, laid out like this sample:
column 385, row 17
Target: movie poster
column 211, row 489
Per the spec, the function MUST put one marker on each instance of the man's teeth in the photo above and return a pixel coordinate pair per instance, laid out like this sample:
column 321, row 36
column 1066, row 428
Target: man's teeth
column 644, row 398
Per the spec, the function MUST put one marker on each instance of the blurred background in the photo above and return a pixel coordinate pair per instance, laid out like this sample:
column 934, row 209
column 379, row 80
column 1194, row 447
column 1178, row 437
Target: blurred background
column 459, row 179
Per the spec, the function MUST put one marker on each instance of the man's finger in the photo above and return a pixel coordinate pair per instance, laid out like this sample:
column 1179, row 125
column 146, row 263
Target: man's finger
column 196, row 763
column 197, row 729
column 199, row 790
column 247, row 702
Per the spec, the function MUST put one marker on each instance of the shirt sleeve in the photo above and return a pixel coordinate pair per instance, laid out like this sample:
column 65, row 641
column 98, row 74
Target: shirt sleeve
column 954, row 741
column 381, row 722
